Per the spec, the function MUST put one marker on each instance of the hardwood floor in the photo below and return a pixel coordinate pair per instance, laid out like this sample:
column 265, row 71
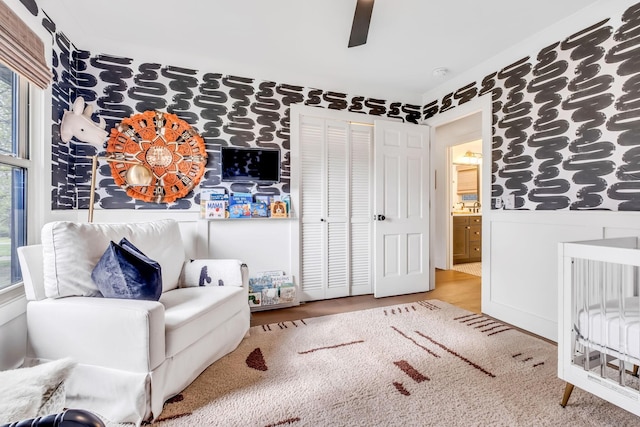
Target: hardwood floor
column 454, row 287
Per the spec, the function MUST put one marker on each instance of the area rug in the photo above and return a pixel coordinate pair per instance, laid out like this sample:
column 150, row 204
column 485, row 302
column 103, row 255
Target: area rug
column 474, row 268
column 420, row 364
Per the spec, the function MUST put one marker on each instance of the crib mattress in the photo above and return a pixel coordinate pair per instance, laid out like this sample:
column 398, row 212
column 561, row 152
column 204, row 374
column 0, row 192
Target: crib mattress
column 611, row 330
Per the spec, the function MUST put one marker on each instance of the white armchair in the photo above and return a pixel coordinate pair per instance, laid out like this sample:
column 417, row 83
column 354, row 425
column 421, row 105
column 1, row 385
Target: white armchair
column 131, row 354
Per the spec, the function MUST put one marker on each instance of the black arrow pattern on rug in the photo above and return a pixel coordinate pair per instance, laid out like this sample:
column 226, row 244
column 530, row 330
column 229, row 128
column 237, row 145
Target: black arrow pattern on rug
column 331, row 347
column 526, row 359
column 399, row 310
column 414, row 341
column 284, row 422
column 427, row 304
column 483, row 322
column 448, row 350
column 283, row 325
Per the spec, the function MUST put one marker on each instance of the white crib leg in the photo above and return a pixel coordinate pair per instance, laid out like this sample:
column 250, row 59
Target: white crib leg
column 567, row 393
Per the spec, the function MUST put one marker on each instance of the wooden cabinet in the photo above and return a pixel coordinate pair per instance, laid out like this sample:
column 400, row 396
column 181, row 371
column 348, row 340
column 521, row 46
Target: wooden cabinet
column 467, row 180
column 467, row 239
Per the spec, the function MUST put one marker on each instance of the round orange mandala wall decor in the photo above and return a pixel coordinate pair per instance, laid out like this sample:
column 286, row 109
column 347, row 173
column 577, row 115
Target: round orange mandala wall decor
column 166, row 146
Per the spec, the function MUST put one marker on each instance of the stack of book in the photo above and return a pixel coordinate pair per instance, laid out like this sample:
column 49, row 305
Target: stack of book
column 271, row 288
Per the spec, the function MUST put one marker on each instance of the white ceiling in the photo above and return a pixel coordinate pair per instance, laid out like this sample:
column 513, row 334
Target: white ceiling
column 304, row 42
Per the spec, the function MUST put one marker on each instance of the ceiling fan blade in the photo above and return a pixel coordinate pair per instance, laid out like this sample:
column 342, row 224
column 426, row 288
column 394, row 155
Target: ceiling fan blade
column 361, row 21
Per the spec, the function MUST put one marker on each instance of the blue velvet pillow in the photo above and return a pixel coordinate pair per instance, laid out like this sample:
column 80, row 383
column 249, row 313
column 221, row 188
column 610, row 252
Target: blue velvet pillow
column 125, row 272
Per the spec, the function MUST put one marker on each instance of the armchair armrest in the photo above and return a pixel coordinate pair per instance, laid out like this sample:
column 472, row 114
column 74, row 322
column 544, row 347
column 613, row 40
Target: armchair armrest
column 117, row 333
column 215, row 272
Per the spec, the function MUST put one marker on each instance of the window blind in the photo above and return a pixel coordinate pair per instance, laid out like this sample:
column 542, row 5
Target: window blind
column 21, row 49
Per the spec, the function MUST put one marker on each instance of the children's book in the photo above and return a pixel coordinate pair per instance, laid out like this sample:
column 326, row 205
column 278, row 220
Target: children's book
column 255, row 299
column 240, row 198
column 259, row 210
column 286, row 294
column 270, row 296
column 240, row 210
column 240, row 205
column 278, row 209
column 287, row 201
column 263, row 198
column 211, row 193
column 219, row 196
column 215, row 209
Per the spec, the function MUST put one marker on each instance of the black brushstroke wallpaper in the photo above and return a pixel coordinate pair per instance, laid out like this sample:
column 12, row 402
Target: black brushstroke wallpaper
column 226, row 110
column 566, row 121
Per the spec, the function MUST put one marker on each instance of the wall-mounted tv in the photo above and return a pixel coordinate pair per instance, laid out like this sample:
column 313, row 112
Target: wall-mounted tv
column 258, row 165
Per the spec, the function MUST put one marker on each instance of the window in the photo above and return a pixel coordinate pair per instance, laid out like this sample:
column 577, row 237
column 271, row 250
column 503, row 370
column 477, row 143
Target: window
column 14, row 165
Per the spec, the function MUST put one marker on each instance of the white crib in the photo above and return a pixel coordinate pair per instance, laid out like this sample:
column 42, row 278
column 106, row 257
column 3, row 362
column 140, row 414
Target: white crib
column 599, row 319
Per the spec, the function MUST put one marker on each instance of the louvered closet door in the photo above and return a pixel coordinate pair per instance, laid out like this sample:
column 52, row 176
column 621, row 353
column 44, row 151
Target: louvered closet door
column 337, row 219
column 335, row 175
column 361, row 208
column 312, row 202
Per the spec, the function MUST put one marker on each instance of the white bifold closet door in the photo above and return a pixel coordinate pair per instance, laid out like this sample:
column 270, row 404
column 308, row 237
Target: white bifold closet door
column 335, row 208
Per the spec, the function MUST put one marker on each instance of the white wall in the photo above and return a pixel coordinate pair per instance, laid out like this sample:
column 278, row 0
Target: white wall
column 519, row 280
column 522, row 282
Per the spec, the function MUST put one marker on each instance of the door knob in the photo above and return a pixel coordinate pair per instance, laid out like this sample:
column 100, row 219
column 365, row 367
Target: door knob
column 322, row 219
column 381, row 218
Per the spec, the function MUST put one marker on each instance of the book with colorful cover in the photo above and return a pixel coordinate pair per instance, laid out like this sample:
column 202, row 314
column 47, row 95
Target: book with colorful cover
column 265, row 198
column 240, row 210
column 259, row 210
column 287, row 201
column 274, row 287
column 211, row 193
column 240, row 205
column 286, row 294
column 240, row 198
column 219, row 196
column 255, row 299
column 257, row 284
column 215, row 209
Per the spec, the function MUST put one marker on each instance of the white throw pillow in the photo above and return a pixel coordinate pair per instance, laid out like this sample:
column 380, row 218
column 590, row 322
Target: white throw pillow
column 71, row 250
column 30, row 392
column 212, row 272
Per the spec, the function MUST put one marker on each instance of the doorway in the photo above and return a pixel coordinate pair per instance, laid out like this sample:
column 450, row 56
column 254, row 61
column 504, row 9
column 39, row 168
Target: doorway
column 465, row 250
column 463, row 124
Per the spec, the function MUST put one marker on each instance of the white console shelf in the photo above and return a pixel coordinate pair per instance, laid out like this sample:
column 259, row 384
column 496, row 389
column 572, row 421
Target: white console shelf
column 264, row 244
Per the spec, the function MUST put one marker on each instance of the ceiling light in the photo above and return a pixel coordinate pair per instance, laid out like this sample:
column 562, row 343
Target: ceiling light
column 469, row 158
column 440, row 73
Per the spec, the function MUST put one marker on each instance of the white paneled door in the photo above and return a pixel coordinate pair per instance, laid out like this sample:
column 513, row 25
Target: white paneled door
column 401, row 226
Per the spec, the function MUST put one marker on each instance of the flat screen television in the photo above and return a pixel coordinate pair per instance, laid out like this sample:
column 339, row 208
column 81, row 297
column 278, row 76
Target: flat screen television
column 258, row 165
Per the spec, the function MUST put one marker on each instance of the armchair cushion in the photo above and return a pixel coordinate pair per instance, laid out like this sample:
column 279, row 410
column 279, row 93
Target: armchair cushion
column 192, row 313
column 125, row 272
column 71, row 250
column 101, row 329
